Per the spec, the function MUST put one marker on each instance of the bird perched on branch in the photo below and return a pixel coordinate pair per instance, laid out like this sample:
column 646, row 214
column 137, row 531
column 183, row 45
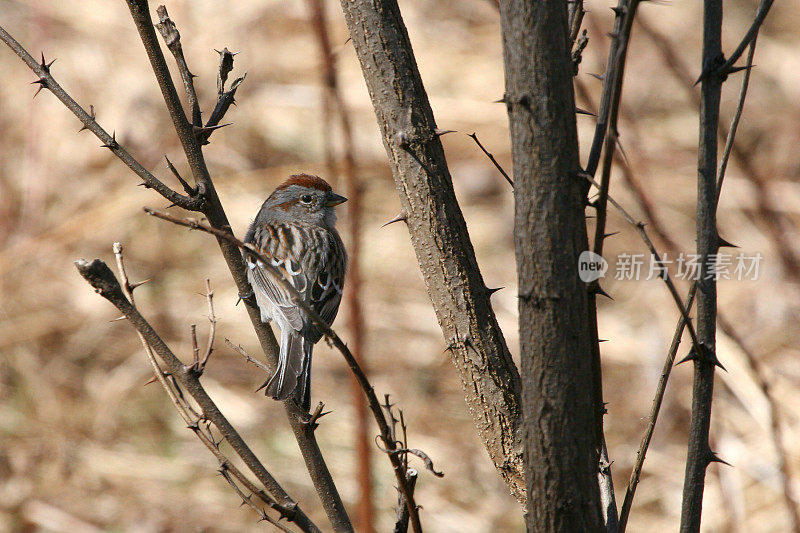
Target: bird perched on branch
column 295, row 230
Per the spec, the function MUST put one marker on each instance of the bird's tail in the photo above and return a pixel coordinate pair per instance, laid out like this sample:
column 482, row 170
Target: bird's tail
column 293, row 376
column 290, row 365
column 302, row 394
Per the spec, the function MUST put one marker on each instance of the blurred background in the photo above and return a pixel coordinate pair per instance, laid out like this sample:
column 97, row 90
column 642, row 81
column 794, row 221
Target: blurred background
column 85, row 446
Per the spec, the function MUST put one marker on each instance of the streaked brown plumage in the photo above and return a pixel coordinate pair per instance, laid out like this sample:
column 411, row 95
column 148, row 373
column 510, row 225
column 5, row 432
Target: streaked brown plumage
column 295, row 229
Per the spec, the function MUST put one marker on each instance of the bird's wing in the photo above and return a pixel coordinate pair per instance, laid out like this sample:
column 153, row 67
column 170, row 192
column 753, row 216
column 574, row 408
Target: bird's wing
column 325, row 293
column 279, row 244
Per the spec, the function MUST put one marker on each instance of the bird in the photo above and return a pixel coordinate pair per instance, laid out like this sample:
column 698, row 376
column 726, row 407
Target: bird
column 295, row 229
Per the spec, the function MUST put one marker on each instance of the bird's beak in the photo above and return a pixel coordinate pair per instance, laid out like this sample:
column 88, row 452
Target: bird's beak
column 334, row 199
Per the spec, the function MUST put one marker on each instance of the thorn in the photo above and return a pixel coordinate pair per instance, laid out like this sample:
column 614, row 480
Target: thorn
column 602, row 340
column 710, row 356
column 613, row 34
column 689, row 357
column 42, row 85
column 262, row 386
column 714, row 458
column 123, row 317
column 204, row 132
column 145, row 185
column 503, row 100
column 402, row 215
column 439, row 132
column 607, row 235
column 133, row 286
column 734, row 70
column 595, row 288
column 151, row 380
column 618, row 11
column 112, row 144
column 493, row 290
column 580, row 111
column 600, row 77
column 91, row 114
column 190, row 191
column 46, row 66
column 722, row 242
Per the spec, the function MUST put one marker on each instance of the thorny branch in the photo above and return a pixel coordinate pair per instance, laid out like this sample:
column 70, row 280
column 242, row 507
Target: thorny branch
column 172, row 38
column 46, row 80
column 696, row 347
column 727, row 67
column 634, row 478
column 699, row 454
column 186, row 377
column 333, row 338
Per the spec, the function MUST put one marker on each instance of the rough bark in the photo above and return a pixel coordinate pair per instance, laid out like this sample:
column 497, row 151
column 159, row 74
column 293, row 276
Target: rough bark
column 460, row 298
column 561, row 457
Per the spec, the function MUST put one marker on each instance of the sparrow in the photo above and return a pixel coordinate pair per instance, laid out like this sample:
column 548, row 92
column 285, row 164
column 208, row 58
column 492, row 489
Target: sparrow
column 295, row 229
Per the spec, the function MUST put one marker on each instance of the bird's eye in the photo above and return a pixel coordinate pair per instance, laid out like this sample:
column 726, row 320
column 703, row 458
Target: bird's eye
column 306, row 198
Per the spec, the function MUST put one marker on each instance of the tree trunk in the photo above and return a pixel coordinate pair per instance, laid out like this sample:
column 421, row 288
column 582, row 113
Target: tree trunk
column 489, row 378
column 561, row 458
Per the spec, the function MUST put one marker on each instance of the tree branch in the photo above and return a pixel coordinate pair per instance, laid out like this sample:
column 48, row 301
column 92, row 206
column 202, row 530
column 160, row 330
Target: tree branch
column 99, row 276
column 315, row 462
column 699, row 454
column 489, row 378
column 47, row 81
column 172, row 38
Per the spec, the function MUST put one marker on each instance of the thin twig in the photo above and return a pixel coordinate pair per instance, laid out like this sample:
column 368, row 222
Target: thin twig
column 224, row 98
column 102, row 279
column 624, row 13
column 223, row 471
column 241, row 351
column 750, row 36
column 655, row 409
column 186, row 411
column 172, row 38
column 46, row 80
column 723, row 164
column 492, row 159
column 212, row 328
column 667, row 280
column 332, row 337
